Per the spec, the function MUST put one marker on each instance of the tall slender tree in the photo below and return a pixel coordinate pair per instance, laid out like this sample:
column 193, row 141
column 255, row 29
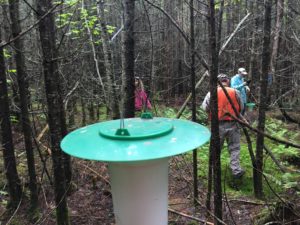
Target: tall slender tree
column 23, row 92
column 128, row 59
column 275, row 47
column 14, row 183
column 108, row 63
column 215, row 138
column 56, row 120
column 266, row 54
column 192, row 52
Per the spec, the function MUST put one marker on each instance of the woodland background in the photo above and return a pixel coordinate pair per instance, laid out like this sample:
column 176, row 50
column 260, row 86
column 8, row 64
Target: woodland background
column 66, row 64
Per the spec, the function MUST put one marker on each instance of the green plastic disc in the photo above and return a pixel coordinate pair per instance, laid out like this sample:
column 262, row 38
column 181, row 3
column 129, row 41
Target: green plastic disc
column 250, row 105
column 136, row 129
column 150, row 139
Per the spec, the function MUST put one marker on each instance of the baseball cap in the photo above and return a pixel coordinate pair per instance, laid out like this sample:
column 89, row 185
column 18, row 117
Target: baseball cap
column 242, row 71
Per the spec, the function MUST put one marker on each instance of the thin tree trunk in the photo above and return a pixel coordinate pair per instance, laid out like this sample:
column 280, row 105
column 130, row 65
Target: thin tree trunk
column 192, row 52
column 56, row 119
column 111, row 86
column 215, row 139
column 91, row 111
column 279, row 18
column 91, row 39
column 253, row 41
column 14, row 183
column 23, row 91
column 152, row 55
column 83, row 105
column 219, row 37
column 128, row 59
column 258, row 187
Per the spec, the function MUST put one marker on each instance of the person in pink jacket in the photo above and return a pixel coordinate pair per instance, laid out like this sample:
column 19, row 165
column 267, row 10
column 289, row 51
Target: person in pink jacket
column 141, row 99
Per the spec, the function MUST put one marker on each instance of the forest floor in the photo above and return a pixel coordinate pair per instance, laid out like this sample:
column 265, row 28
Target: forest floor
column 90, row 202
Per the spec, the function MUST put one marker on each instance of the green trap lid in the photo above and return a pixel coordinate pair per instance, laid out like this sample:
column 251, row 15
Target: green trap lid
column 250, row 105
column 136, row 129
column 139, row 139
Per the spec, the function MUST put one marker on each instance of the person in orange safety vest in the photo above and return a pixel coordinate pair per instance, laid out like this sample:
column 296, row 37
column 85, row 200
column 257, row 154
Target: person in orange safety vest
column 228, row 127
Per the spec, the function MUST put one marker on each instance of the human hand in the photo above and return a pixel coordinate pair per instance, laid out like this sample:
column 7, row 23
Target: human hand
column 247, row 88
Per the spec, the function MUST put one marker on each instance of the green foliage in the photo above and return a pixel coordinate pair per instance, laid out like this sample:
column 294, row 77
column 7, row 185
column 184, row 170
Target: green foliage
column 202, row 116
column 291, row 181
column 4, row 202
column 164, row 111
column 278, row 180
column 12, row 71
column 110, row 29
column 14, row 119
column 3, row 193
column 76, row 20
column 7, row 54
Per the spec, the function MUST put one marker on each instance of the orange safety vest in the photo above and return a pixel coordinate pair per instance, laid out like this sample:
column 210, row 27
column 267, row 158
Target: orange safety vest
column 224, row 105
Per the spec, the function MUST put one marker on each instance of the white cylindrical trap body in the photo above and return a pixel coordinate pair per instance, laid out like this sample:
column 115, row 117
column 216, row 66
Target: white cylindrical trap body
column 140, row 192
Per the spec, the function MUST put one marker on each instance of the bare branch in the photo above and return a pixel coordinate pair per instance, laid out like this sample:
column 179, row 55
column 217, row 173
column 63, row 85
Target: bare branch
column 2, row 45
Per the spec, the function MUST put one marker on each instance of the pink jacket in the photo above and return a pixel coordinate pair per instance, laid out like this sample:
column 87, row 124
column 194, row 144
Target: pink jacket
column 140, row 99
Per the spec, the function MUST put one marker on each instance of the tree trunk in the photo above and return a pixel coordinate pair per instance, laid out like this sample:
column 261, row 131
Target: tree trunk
column 279, row 18
column 14, row 183
column 219, row 37
column 258, row 187
column 253, row 44
column 83, row 112
column 215, row 139
column 109, row 68
column 192, row 52
column 128, row 59
column 56, row 118
column 23, row 91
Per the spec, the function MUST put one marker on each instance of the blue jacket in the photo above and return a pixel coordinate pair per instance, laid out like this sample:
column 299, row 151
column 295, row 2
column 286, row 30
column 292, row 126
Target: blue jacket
column 237, row 82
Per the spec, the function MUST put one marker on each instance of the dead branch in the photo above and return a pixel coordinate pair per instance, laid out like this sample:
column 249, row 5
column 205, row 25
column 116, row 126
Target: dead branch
column 210, row 213
column 282, row 96
column 233, row 33
column 184, row 35
column 190, row 95
column 66, row 100
column 95, row 172
column 250, row 202
column 190, row 217
column 38, row 138
column 2, row 45
column 281, row 167
column 287, row 143
column 206, row 73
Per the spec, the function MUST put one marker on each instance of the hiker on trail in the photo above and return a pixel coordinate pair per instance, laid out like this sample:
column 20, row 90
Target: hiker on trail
column 238, row 82
column 228, row 127
column 141, row 99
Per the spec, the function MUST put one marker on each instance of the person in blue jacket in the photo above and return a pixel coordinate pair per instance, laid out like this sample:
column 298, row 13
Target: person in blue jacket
column 238, row 82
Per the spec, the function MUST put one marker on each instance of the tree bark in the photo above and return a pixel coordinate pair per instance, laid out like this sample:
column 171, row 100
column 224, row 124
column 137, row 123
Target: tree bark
column 128, row 59
column 192, row 52
column 109, row 68
column 14, row 183
column 215, row 139
column 56, row 120
column 24, row 100
column 279, row 18
column 257, row 174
